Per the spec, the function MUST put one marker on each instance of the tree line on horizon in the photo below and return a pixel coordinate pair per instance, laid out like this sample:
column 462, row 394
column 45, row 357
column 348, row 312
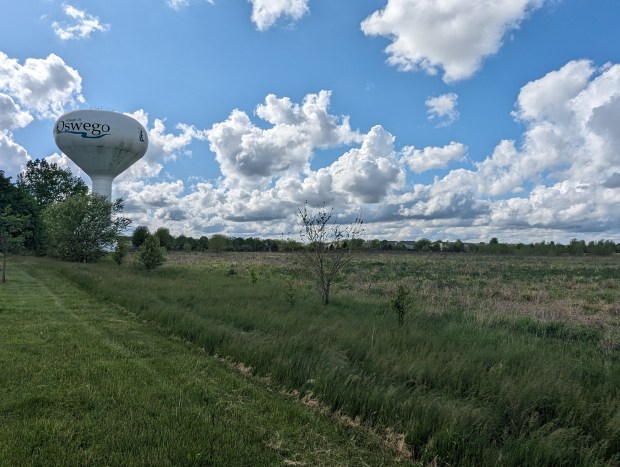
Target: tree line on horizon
column 220, row 243
column 48, row 211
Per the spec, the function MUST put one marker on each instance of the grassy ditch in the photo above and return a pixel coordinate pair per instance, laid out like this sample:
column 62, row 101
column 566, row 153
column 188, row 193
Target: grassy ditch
column 83, row 382
column 499, row 362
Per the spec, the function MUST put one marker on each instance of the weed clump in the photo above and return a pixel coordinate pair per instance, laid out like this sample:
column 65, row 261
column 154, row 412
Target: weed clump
column 400, row 303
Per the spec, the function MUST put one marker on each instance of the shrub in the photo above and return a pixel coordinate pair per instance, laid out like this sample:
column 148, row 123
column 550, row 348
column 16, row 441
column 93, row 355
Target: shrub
column 151, row 255
column 120, row 252
column 400, row 303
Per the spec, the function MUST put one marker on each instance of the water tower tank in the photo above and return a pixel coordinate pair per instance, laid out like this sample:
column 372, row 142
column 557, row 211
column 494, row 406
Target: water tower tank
column 102, row 143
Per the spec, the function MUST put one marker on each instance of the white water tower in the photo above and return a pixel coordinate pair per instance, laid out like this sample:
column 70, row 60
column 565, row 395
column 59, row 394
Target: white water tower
column 102, row 143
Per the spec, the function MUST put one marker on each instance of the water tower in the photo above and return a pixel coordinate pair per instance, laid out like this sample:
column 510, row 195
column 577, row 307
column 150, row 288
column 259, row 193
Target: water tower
column 102, row 143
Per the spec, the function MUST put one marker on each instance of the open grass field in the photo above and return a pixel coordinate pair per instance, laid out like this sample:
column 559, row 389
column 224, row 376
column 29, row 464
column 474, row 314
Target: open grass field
column 83, row 382
column 500, row 361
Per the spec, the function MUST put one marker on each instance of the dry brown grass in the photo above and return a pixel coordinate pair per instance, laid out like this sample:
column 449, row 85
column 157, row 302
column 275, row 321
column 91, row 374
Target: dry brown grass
column 567, row 289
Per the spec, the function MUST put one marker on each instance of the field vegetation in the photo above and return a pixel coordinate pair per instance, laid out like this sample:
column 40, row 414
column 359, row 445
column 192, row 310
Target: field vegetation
column 84, row 382
column 498, row 360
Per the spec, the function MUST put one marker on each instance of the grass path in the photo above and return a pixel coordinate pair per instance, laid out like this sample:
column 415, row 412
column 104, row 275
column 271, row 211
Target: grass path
column 85, row 383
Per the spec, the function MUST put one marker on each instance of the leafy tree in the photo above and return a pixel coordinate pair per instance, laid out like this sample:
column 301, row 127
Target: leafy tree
column 322, row 255
column 22, row 204
column 83, row 228
column 203, row 243
column 357, row 243
column 13, row 232
column 139, row 235
column 166, row 240
column 48, row 184
column 218, row 242
column 120, row 252
column 151, row 254
column 183, row 243
column 458, row 246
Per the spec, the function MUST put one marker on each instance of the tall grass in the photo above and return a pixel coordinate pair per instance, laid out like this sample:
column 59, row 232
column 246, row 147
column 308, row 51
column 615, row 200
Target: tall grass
column 83, row 383
column 474, row 376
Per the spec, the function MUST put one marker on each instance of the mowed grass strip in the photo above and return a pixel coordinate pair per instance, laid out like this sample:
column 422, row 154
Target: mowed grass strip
column 84, row 383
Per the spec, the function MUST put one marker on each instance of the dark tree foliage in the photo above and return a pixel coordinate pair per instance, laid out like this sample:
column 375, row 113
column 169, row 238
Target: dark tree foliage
column 13, row 232
column 203, row 243
column 83, row 228
column 139, row 235
column 165, row 238
column 48, row 184
column 219, row 242
column 22, row 204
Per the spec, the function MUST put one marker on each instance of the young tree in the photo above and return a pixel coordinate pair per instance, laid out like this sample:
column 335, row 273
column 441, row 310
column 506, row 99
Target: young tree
column 48, row 184
column 139, row 235
column 120, row 252
column 13, row 232
column 83, row 227
column 322, row 254
column 151, row 254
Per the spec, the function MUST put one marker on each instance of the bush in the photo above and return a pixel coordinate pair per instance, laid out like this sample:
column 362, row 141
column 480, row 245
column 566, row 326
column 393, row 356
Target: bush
column 151, row 255
column 120, row 252
column 400, row 303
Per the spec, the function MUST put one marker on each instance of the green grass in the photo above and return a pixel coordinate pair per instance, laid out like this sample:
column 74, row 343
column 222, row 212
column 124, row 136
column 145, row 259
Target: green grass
column 501, row 362
column 84, row 382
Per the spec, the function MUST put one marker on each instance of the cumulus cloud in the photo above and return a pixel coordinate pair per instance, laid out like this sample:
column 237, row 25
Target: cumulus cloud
column 564, row 174
column 443, row 109
column 84, row 24
column 265, row 13
column 163, row 146
column 454, row 35
column 43, row 86
column 11, row 116
column 249, row 155
column 558, row 180
column 368, row 173
column 13, row 157
column 421, row 160
column 453, row 197
column 40, row 88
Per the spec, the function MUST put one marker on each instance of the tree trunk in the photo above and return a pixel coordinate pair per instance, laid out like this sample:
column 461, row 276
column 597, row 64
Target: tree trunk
column 326, row 287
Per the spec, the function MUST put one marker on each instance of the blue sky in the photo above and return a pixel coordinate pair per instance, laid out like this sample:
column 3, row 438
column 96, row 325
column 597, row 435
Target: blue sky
column 448, row 119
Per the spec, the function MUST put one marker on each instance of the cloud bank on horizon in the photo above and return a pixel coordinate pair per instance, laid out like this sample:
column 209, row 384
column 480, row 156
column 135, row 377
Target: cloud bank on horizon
column 559, row 178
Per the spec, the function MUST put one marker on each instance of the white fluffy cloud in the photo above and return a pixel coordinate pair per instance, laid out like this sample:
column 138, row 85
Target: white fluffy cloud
column 443, row 108
column 163, row 146
column 421, row 160
column 368, row 173
column 451, row 35
column 559, row 179
column 249, row 155
column 43, row 86
column 40, row 88
column 13, row 157
column 265, row 13
column 84, row 24
column 453, row 197
column 563, row 176
column 11, row 116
